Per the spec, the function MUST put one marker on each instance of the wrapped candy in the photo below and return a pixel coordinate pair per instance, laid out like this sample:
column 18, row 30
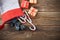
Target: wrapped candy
column 33, row 11
column 24, row 4
column 33, row 1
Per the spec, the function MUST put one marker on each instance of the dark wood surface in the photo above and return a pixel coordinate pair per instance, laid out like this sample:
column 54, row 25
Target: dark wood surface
column 47, row 22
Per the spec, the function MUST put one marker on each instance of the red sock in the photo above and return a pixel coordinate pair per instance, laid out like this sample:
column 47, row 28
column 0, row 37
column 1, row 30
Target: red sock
column 1, row 26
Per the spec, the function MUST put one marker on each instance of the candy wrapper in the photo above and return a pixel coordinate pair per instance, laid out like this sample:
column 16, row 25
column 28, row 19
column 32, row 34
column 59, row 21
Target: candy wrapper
column 24, row 4
column 33, row 11
column 33, row 1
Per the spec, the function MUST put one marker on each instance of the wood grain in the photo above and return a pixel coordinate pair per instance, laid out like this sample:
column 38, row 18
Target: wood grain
column 47, row 22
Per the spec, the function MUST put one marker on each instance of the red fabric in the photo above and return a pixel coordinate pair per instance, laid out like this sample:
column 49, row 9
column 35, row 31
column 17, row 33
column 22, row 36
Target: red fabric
column 1, row 26
column 11, row 14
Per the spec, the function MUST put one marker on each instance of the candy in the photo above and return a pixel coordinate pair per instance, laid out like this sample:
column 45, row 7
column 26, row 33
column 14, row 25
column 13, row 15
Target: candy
column 25, row 4
column 33, row 1
column 33, row 11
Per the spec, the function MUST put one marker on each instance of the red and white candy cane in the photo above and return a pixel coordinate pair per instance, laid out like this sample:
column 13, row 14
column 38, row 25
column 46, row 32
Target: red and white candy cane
column 26, row 18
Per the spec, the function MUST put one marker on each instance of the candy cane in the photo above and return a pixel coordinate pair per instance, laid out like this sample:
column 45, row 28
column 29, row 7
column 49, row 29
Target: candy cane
column 28, row 20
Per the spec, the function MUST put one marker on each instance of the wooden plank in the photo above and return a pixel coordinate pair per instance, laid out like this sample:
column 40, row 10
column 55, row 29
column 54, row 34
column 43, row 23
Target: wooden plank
column 48, row 5
column 46, row 22
column 48, row 15
column 28, row 35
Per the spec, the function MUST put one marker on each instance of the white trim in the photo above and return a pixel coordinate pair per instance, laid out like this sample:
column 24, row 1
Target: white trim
column 9, row 5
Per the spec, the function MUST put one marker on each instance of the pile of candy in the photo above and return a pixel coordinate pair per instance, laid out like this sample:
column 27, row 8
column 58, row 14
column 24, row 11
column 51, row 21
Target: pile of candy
column 32, row 11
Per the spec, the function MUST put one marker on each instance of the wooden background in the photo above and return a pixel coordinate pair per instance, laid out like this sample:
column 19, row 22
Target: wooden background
column 47, row 22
